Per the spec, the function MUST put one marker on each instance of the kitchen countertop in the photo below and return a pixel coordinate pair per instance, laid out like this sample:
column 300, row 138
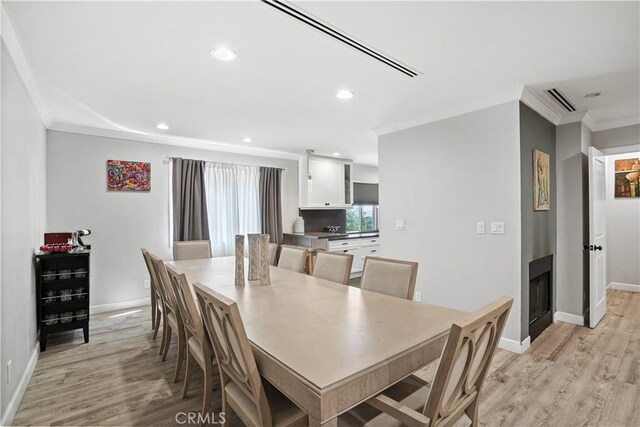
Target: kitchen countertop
column 334, row 236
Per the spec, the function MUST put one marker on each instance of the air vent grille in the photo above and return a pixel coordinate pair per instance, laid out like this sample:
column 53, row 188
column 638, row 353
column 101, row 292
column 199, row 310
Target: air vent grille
column 561, row 99
column 338, row 35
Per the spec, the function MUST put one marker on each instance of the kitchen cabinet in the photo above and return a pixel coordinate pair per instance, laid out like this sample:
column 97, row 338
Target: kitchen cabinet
column 325, row 183
column 359, row 248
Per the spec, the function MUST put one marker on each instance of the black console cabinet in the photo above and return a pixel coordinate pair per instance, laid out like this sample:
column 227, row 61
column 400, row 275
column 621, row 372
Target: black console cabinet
column 62, row 294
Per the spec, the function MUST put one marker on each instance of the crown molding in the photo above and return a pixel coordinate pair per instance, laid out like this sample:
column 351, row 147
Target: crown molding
column 457, row 110
column 22, row 65
column 177, row 141
column 540, row 106
column 629, row 121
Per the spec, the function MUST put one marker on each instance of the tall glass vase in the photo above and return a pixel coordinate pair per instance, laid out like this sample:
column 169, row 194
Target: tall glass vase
column 265, row 277
column 239, row 277
column 254, row 256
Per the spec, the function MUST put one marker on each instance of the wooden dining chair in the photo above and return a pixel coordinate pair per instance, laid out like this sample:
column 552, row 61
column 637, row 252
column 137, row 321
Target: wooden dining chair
column 156, row 300
column 333, row 266
column 257, row 403
column 191, row 249
column 389, row 276
column 172, row 318
column 292, row 258
column 456, row 387
column 199, row 349
column 273, row 253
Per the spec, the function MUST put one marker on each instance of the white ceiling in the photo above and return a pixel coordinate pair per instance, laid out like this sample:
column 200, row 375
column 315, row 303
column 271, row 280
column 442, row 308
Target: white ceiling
column 127, row 66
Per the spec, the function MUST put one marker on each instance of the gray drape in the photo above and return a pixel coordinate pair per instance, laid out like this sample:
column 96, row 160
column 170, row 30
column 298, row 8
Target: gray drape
column 190, row 221
column 271, row 203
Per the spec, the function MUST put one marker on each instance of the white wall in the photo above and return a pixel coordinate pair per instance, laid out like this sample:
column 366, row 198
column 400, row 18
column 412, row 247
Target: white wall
column 442, row 177
column 617, row 137
column 363, row 173
column 22, row 226
column 122, row 223
column 623, row 230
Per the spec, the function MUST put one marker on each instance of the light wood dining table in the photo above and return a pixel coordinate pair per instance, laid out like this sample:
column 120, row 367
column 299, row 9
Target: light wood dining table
column 327, row 346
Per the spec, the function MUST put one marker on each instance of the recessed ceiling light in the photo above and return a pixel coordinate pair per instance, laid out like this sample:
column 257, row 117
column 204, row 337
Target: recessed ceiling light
column 162, row 126
column 247, row 140
column 592, row 95
column 224, row 54
column 336, row 154
column 344, row 94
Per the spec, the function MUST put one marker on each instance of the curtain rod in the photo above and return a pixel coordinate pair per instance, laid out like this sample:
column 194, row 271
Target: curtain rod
column 168, row 159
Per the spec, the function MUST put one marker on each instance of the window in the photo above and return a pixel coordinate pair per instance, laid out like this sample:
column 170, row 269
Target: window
column 362, row 218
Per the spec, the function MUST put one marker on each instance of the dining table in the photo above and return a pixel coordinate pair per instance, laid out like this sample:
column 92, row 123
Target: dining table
column 327, row 346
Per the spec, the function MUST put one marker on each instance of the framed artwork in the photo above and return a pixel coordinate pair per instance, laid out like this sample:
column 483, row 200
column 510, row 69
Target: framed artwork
column 128, row 176
column 541, row 181
column 627, row 178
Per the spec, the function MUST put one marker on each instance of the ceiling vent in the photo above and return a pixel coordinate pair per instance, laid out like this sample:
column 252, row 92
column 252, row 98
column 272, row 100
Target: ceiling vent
column 315, row 23
column 561, row 99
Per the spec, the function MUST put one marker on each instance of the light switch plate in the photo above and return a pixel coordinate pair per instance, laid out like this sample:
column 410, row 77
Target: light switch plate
column 399, row 224
column 147, row 284
column 480, row 227
column 417, row 296
column 497, row 227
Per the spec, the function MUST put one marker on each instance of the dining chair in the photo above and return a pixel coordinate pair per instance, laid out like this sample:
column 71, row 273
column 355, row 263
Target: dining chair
column 199, row 349
column 292, row 258
column 156, row 307
column 273, row 252
column 172, row 318
column 256, row 402
column 389, row 276
column 333, row 266
column 191, row 249
column 456, row 387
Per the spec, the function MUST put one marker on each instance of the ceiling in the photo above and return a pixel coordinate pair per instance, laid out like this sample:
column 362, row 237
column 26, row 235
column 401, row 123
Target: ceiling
column 129, row 65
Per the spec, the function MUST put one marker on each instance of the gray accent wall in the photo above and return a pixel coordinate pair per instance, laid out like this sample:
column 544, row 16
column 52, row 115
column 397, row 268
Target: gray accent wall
column 441, row 178
column 618, row 137
column 572, row 141
column 538, row 227
column 22, row 176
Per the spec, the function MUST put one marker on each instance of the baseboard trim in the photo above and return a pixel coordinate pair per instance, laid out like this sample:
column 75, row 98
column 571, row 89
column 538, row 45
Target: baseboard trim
column 122, row 305
column 14, row 403
column 568, row 318
column 515, row 346
column 624, row 287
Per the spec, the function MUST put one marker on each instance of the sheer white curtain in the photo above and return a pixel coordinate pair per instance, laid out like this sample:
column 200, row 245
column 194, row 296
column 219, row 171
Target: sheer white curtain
column 233, row 204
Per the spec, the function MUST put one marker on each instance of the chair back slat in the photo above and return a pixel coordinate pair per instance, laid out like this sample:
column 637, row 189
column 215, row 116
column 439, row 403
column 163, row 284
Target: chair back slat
column 235, row 358
column 153, row 278
column 191, row 249
column 186, row 305
column 333, row 266
column 389, row 276
column 167, row 294
column 292, row 258
column 465, row 361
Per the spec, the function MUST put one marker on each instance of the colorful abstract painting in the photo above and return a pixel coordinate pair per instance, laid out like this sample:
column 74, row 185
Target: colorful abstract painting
column 627, row 178
column 128, row 176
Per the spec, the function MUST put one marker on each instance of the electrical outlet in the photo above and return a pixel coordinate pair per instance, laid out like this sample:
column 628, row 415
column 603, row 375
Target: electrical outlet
column 399, row 224
column 9, row 372
column 497, row 227
column 417, row 296
column 147, row 284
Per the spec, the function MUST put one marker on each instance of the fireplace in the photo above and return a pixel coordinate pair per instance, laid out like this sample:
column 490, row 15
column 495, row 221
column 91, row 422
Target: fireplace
column 540, row 295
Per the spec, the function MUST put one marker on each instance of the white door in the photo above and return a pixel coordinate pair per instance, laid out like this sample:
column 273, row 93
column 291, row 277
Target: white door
column 335, row 183
column 317, row 190
column 597, row 238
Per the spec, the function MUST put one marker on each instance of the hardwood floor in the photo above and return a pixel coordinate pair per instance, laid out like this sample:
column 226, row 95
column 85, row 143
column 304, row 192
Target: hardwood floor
column 570, row 376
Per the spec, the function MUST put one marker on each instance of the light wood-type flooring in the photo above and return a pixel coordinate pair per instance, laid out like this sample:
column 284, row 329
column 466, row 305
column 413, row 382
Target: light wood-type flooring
column 571, row 376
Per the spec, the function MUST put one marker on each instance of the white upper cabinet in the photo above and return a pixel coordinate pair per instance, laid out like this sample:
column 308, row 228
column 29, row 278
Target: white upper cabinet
column 324, row 183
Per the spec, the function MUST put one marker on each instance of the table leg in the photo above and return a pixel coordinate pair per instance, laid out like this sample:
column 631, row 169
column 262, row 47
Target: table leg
column 330, row 423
